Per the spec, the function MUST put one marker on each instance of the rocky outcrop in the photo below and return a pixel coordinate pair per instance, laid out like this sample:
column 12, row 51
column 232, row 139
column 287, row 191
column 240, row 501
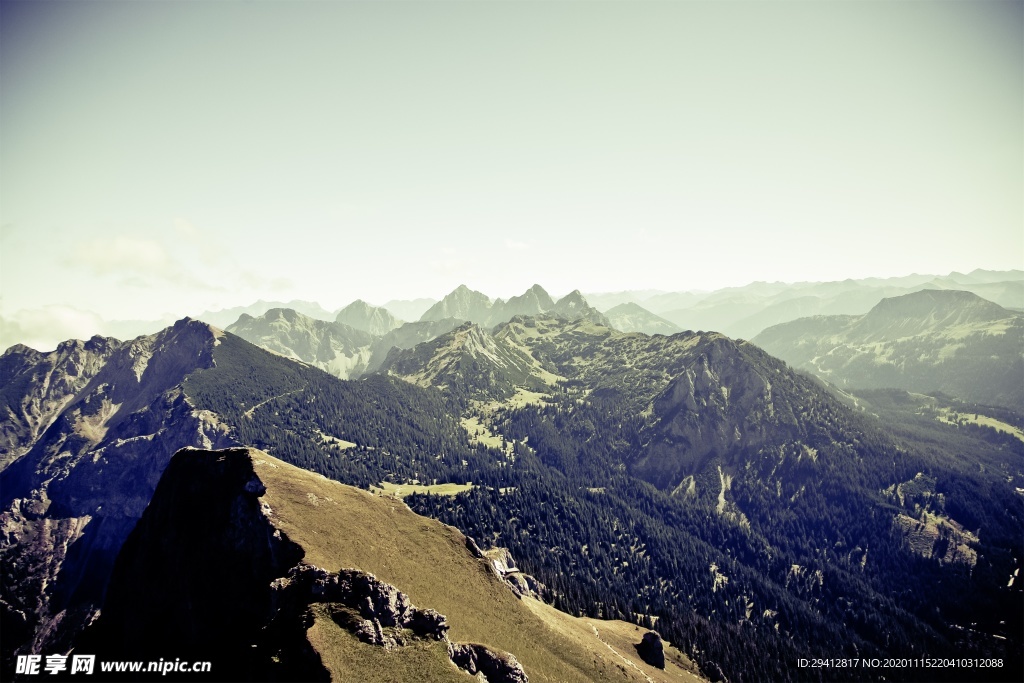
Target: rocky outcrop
column 495, row 666
column 376, row 612
column 504, row 566
column 379, row 614
column 651, row 650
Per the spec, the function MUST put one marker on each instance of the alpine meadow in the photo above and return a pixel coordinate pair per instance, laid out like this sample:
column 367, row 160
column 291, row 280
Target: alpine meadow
column 553, row 341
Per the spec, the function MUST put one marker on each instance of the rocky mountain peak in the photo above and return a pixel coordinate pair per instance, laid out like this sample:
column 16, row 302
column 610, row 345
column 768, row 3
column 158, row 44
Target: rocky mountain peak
column 542, row 297
column 573, row 299
column 362, row 316
column 574, row 306
column 462, row 303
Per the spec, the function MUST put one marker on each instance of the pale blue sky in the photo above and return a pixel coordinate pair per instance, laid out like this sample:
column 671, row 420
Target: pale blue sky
column 170, row 157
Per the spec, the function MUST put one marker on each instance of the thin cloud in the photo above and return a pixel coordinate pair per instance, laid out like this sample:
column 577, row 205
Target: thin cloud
column 44, row 328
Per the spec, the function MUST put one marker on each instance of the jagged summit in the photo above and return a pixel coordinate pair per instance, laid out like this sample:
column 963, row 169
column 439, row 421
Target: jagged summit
column 467, row 361
column 574, row 306
column 462, row 303
column 533, row 301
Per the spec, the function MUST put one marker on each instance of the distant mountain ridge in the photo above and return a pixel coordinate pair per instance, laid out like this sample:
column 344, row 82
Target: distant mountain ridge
column 466, row 304
column 931, row 340
column 740, row 312
column 745, row 311
column 632, row 317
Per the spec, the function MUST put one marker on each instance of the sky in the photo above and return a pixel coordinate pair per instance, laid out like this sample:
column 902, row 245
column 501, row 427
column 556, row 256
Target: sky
column 159, row 159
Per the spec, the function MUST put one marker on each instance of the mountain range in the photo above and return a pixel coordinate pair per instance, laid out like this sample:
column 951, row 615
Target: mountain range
column 687, row 483
column 744, row 312
column 740, row 312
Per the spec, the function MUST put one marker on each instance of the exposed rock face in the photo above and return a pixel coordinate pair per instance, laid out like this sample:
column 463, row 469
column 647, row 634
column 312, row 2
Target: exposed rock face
column 533, row 301
column 651, row 650
column 337, row 348
column 573, row 306
column 502, row 564
column 35, row 387
column 383, row 611
column 496, row 667
column 462, row 303
column 731, row 398
column 468, row 361
column 103, row 435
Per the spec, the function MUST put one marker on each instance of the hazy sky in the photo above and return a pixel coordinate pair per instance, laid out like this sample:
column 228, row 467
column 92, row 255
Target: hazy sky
column 170, row 157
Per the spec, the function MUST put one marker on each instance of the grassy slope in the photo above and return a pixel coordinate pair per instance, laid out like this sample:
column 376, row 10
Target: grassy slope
column 339, row 526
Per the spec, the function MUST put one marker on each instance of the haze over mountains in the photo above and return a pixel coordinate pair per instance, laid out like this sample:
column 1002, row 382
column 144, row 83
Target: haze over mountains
column 932, row 340
column 739, row 312
column 689, row 483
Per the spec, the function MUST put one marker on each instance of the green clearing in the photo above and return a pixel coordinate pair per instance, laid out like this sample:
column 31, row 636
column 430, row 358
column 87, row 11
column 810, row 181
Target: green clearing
column 403, row 490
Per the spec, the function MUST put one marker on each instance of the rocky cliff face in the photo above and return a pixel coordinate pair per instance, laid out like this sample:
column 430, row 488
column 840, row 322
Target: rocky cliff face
column 35, row 387
column 103, row 435
column 574, row 306
column 462, row 303
column 334, row 347
column 467, row 362
column 731, row 401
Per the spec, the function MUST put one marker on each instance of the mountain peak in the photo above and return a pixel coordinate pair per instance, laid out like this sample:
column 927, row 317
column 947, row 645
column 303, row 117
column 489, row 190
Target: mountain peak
column 574, row 306
column 367, row 318
column 462, row 303
column 935, row 307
